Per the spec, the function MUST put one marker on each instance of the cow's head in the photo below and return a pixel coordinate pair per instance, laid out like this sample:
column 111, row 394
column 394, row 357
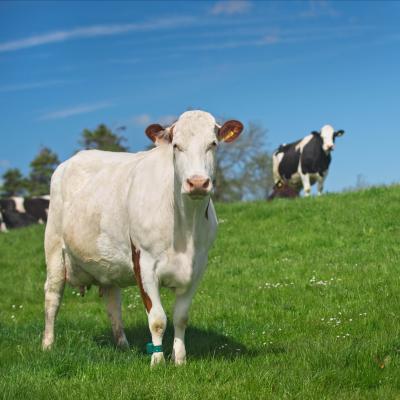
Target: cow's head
column 194, row 138
column 328, row 136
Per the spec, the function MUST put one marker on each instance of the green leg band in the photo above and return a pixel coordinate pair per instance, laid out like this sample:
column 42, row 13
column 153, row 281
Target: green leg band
column 150, row 348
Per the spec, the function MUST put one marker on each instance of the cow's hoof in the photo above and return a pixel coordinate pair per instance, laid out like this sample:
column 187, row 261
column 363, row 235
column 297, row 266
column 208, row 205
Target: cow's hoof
column 157, row 359
column 47, row 344
column 180, row 362
column 178, row 359
column 122, row 343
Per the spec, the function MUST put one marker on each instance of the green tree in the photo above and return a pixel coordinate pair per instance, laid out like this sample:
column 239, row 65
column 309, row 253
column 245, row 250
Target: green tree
column 244, row 167
column 42, row 168
column 14, row 183
column 102, row 138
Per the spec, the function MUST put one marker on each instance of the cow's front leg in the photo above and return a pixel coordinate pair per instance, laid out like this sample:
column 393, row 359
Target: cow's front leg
column 113, row 300
column 149, row 289
column 320, row 185
column 305, row 179
column 181, row 317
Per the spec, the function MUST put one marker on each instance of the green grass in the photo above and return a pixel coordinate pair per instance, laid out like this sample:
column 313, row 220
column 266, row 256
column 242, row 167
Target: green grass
column 301, row 300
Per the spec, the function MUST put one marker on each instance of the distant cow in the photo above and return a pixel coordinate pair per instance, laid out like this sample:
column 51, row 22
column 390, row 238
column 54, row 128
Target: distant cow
column 14, row 219
column 282, row 190
column 306, row 161
column 117, row 219
column 36, row 207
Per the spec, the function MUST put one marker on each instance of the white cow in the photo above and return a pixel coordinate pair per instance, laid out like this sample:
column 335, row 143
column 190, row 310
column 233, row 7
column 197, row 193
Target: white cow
column 119, row 219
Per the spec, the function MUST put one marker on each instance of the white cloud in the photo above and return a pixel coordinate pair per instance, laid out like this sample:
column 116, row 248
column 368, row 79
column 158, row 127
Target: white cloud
column 231, row 7
column 93, row 31
column 124, row 60
column 146, row 119
column 142, row 119
column 79, row 109
column 167, row 120
column 30, row 86
column 317, row 8
column 271, row 38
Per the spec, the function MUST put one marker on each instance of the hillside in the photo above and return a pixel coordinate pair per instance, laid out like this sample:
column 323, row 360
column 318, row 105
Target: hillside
column 300, row 300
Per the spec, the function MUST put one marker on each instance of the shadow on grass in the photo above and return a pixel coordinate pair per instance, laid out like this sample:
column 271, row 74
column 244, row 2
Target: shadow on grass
column 200, row 344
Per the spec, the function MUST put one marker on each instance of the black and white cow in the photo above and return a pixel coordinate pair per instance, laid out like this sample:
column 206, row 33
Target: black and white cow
column 37, row 207
column 302, row 163
column 17, row 212
column 14, row 219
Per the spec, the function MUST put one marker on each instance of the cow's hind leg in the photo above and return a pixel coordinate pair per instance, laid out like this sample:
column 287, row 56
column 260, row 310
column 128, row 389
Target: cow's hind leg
column 305, row 179
column 54, row 288
column 320, row 184
column 113, row 301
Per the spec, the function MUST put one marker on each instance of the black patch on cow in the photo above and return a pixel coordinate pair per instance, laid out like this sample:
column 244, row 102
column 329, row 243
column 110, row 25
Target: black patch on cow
column 14, row 219
column 314, row 160
column 290, row 160
column 7, row 205
column 36, row 207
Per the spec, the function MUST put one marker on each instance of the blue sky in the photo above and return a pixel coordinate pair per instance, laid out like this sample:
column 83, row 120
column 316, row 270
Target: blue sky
column 291, row 66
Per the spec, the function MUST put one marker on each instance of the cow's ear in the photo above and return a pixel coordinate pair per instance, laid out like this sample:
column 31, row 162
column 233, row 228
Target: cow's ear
column 158, row 134
column 315, row 133
column 230, row 131
column 339, row 133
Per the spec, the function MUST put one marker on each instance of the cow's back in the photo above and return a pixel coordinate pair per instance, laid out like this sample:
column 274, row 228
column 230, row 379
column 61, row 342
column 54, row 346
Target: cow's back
column 88, row 206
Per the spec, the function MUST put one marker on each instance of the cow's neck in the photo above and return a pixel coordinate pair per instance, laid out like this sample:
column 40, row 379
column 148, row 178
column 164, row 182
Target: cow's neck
column 189, row 217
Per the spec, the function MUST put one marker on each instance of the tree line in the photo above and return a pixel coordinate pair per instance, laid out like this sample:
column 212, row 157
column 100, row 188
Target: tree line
column 243, row 167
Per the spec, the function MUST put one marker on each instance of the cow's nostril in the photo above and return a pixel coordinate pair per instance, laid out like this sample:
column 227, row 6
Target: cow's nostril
column 190, row 183
column 206, row 183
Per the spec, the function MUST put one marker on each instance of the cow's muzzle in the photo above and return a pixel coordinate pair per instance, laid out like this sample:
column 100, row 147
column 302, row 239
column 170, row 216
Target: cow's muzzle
column 329, row 147
column 198, row 185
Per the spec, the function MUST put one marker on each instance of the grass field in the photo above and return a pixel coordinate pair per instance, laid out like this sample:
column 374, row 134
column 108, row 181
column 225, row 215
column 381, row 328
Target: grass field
column 301, row 300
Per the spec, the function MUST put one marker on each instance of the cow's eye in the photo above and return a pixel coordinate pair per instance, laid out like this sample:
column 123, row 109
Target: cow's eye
column 212, row 145
column 177, row 147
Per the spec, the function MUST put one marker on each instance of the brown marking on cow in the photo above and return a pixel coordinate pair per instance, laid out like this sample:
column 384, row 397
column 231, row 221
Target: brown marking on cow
column 284, row 190
column 230, row 131
column 158, row 134
column 158, row 327
column 136, row 268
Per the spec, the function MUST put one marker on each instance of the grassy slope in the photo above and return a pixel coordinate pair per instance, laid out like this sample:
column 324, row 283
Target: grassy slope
column 301, row 300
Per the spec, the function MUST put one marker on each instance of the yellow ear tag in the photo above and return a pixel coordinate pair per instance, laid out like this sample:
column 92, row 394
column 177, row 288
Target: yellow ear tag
column 229, row 135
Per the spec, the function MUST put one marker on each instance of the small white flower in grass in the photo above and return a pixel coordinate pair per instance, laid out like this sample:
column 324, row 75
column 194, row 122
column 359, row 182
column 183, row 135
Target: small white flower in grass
column 265, row 343
column 13, row 306
column 12, row 316
column 350, row 319
column 21, row 306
